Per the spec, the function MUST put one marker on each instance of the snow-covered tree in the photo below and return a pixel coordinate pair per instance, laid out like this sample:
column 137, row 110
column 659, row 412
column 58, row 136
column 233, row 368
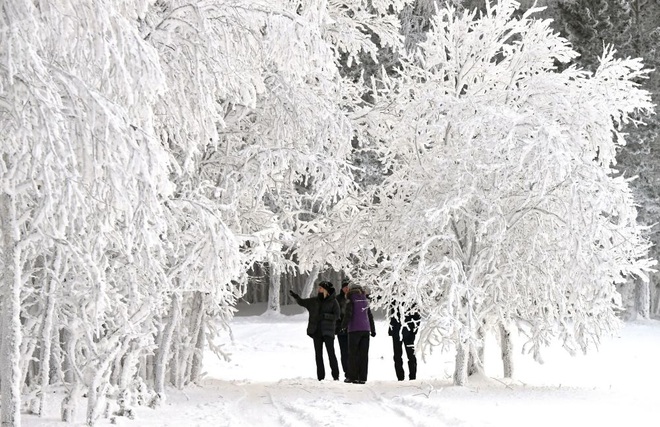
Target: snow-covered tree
column 266, row 162
column 146, row 167
column 73, row 118
column 501, row 207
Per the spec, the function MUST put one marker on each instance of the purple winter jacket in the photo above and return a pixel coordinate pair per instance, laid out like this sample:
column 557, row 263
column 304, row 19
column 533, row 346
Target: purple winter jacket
column 358, row 316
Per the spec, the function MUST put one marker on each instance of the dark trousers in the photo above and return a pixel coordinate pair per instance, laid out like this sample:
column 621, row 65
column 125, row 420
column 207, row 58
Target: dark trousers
column 343, row 350
column 330, row 348
column 358, row 355
column 408, row 343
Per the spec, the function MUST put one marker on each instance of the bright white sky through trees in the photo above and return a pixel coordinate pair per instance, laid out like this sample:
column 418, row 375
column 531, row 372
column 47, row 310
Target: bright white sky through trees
column 270, row 381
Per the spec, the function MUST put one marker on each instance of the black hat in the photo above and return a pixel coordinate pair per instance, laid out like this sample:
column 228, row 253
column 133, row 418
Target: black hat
column 327, row 286
column 345, row 282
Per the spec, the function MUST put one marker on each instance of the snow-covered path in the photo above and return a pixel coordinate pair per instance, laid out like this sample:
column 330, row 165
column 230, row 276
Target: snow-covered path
column 306, row 402
column 270, row 381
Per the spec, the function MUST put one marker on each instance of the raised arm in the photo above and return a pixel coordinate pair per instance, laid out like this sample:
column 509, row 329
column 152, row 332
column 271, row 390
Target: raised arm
column 301, row 301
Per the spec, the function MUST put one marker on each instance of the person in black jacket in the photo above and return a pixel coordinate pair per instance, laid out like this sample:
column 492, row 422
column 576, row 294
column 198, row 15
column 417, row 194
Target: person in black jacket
column 323, row 314
column 342, row 334
column 403, row 334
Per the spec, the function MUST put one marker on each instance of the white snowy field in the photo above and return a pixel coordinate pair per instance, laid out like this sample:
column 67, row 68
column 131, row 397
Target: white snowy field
column 271, row 381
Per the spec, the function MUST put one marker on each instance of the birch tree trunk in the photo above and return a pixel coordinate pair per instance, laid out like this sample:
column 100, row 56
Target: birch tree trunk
column 128, row 370
column 10, row 349
column 309, row 283
column 33, row 313
column 47, row 333
column 70, row 402
column 275, row 283
column 175, row 359
column 72, row 375
column 189, row 341
column 198, row 356
column 163, row 352
column 198, row 340
column 507, row 351
column 97, row 389
column 29, row 330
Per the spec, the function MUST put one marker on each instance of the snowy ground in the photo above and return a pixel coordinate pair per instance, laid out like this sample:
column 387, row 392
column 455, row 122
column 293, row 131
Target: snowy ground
column 271, row 381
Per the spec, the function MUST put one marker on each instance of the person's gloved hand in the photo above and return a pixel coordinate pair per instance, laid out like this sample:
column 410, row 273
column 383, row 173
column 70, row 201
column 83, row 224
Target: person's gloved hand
column 373, row 333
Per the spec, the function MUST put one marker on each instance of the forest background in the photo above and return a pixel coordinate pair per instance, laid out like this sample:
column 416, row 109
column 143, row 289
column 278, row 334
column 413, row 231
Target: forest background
column 162, row 160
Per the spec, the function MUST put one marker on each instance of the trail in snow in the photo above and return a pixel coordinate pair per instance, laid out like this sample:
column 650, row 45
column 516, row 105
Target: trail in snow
column 270, row 381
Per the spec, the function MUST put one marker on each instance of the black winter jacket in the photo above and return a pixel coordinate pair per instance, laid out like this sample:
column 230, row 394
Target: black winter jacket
column 409, row 325
column 341, row 299
column 323, row 314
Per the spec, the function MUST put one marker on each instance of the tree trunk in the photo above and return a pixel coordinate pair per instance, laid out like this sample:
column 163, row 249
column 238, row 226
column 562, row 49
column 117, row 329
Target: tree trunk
column 72, row 376
column 475, row 360
column 309, row 283
column 642, row 299
column 656, row 309
column 199, row 334
column 70, row 402
column 129, row 366
column 1, row 333
column 147, row 367
column 47, row 332
column 163, row 352
column 175, row 359
column 128, row 370
column 274, row 287
column 189, row 342
column 29, row 332
column 56, row 359
column 476, row 354
column 97, row 389
column 10, row 348
column 507, row 351
column 460, row 370
column 198, row 356
column 68, row 360
column 33, row 313
column 116, row 371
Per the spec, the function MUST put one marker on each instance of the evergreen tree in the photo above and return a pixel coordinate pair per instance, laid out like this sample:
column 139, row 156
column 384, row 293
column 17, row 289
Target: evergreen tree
column 633, row 28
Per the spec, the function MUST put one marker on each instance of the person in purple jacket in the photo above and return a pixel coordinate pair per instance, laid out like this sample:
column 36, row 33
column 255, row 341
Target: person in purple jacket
column 359, row 323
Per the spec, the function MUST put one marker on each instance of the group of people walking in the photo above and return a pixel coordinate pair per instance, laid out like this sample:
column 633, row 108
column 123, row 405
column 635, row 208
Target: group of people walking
column 347, row 314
